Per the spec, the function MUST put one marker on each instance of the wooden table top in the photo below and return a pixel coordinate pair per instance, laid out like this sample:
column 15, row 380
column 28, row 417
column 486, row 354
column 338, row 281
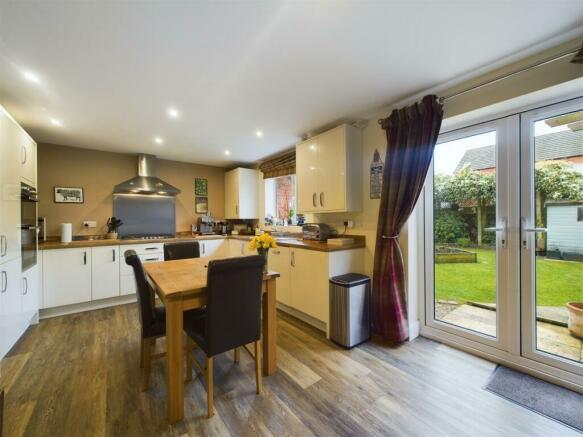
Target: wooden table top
column 183, row 276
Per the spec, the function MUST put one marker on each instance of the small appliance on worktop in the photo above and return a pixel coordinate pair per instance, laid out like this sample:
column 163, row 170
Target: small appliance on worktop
column 318, row 232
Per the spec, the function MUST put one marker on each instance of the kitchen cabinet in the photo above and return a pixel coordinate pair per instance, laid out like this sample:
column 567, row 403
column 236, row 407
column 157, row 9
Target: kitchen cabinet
column 148, row 253
column 66, row 276
column 27, row 159
column 241, row 194
column 279, row 260
column 212, row 248
column 309, row 283
column 239, row 248
column 105, row 278
column 12, row 325
column 303, row 285
column 10, row 134
column 329, row 171
column 30, row 292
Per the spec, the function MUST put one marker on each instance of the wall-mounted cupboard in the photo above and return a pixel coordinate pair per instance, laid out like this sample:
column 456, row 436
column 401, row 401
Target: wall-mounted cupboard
column 242, row 194
column 329, row 171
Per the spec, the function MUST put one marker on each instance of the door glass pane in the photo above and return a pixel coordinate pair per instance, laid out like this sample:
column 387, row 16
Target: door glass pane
column 464, row 205
column 558, row 206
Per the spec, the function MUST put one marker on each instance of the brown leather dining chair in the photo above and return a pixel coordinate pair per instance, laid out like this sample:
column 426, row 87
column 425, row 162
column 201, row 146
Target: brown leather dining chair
column 181, row 250
column 232, row 317
column 152, row 318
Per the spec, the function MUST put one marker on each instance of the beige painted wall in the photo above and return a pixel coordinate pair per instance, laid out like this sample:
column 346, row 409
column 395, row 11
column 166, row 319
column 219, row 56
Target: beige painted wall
column 97, row 172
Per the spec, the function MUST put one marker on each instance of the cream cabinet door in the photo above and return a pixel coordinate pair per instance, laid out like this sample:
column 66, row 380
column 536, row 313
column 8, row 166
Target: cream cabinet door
column 11, row 325
column 212, row 248
column 279, row 261
column 30, row 292
column 231, row 195
column 307, row 170
column 9, row 188
column 66, row 276
column 27, row 159
column 332, row 170
column 309, row 282
column 104, row 272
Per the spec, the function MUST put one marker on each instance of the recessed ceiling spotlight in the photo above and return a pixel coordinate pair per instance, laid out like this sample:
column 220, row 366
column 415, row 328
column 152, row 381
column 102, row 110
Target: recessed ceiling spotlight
column 56, row 122
column 173, row 113
column 31, row 77
column 227, row 152
column 158, row 140
column 259, row 133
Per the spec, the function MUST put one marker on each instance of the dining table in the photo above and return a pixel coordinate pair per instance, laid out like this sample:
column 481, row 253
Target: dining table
column 181, row 286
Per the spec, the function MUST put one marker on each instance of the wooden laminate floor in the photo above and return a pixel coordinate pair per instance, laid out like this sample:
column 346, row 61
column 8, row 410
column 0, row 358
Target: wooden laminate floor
column 79, row 376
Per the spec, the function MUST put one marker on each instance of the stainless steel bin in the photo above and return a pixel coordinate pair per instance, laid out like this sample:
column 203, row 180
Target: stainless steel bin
column 349, row 309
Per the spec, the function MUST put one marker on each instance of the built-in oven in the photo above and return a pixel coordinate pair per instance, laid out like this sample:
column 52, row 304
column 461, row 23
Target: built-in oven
column 28, row 226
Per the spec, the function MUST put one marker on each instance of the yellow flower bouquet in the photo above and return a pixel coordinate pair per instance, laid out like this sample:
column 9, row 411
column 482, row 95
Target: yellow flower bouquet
column 262, row 243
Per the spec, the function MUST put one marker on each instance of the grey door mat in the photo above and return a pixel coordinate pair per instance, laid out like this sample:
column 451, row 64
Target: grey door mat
column 548, row 399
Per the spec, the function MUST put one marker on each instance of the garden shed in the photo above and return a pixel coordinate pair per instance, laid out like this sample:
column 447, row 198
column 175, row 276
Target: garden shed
column 565, row 229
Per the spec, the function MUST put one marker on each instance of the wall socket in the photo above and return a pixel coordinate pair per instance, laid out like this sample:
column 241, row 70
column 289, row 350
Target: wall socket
column 349, row 224
column 89, row 224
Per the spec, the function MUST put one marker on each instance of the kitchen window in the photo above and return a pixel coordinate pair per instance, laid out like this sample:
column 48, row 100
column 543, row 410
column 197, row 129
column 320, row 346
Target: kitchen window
column 280, row 200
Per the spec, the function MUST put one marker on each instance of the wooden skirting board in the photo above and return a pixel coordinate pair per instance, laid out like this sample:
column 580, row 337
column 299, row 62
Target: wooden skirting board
column 86, row 306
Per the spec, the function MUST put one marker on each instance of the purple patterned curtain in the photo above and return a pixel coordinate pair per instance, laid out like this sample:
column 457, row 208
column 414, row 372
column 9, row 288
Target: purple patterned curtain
column 411, row 136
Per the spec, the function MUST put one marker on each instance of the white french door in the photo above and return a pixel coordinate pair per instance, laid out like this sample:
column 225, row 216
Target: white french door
column 470, row 224
column 552, row 234
column 504, row 240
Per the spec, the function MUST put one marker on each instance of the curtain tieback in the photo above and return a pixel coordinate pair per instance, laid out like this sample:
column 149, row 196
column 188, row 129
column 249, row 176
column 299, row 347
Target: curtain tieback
column 390, row 238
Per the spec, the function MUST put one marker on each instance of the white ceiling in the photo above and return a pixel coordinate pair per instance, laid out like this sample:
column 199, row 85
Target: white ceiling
column 109, row 71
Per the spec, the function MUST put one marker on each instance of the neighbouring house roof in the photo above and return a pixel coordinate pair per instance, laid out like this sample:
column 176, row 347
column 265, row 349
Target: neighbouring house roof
column 558, row 145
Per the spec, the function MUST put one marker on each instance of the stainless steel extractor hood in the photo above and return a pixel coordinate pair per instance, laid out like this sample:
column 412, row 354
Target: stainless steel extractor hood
column 146, row 182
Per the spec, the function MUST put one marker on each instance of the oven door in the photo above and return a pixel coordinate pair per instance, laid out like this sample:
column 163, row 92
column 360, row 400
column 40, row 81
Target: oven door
column 28, row 234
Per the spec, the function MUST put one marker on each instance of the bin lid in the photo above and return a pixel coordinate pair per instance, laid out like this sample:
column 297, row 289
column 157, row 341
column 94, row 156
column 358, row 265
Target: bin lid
column 350, row 279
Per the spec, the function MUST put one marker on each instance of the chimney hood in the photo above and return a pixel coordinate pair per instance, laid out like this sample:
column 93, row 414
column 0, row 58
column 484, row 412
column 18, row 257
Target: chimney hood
column 146, row 182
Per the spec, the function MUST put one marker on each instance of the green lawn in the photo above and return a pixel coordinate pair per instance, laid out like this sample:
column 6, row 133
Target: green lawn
column 558, row 282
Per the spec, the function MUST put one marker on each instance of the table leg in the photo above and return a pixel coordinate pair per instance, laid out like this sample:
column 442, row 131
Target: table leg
column 269, row 328
column 175, row 360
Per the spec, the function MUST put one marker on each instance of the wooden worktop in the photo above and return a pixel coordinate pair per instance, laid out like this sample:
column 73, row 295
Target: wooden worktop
column 359, row 242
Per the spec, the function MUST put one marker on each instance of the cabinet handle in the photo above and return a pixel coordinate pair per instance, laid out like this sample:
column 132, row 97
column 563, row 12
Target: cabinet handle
column 242, row 248
column 276, row 252
column 84, row 258
column 314, row 201
column 113, row 252
column 25, row 292
column 24, row 155
column 151, row 248
column 293, row 259
column 237, row 210
column 203, row 248
column 322, row 199
column 3, row 245
column 4, row 281
column 151, row 259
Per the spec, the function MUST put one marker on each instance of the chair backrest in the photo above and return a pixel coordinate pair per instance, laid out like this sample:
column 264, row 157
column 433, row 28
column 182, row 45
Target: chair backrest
column 181, row 250
column 233, row 303
column 143, row 290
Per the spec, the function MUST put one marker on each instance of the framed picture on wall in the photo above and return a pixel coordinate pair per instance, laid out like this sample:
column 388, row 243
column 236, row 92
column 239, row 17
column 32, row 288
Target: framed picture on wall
column 201, row 205
column 201, row 187
column 69, row 195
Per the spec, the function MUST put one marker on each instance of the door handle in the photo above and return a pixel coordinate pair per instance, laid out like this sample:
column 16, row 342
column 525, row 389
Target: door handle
column 314, row 201
column 322, row 199
column 501, row 229
column 4, row 281
column 527, row 230
column 25, row 292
